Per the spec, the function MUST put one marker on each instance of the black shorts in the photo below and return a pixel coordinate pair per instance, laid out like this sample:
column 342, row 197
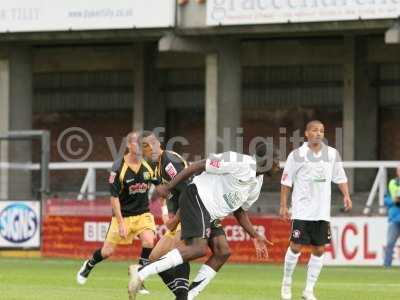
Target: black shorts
column 316, row 233
column 216, row 229
column 195, row 219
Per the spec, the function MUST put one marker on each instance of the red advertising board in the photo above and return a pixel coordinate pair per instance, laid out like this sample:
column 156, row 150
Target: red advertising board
column 78, row 235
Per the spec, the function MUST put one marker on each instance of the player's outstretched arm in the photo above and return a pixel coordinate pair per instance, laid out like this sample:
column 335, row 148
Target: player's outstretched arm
column 196, row 167
column 260, row 241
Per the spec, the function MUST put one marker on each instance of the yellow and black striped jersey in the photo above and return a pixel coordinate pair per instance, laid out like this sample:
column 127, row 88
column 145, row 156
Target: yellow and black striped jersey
column 131, row 187
column 169, row 165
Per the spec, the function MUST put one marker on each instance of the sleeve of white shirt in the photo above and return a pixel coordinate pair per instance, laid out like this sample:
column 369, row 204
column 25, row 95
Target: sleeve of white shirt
column 339, row 175
column 225, row 163
column 253, row 196
column 289, row 171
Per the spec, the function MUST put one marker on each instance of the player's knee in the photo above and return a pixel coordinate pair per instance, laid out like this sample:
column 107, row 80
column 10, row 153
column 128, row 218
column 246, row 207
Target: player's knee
column 107, row 251
column 201, row 250
column 148, row 243
column 147, row 239
column 319, row 251
column 296, row 248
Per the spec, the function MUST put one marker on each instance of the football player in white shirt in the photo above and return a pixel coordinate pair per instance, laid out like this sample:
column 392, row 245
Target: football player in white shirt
column 230, row 182
column 310, row 170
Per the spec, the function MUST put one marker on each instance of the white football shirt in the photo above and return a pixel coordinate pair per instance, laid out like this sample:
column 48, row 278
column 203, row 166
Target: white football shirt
column 311, row 175
column 228, row 183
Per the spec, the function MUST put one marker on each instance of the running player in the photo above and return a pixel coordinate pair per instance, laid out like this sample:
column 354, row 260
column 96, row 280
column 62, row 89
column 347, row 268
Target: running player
column 310, row 169
column 130, row 179
column 230, row 182
column 169, row 164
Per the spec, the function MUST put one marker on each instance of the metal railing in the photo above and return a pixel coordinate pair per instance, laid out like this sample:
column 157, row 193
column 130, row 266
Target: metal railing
column 88, row 187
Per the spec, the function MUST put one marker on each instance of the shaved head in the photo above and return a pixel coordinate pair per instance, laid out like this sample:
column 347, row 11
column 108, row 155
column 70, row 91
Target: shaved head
column 312, row 123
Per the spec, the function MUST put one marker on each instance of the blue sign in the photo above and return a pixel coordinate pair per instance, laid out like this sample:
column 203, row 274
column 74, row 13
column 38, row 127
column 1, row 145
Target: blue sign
column 18, row 223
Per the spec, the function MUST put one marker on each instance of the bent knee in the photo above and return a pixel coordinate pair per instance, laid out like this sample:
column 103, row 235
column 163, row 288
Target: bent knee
column 107, row 251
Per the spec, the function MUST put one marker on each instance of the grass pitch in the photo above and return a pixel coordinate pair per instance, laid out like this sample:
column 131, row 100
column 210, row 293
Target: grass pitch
column 42, row 279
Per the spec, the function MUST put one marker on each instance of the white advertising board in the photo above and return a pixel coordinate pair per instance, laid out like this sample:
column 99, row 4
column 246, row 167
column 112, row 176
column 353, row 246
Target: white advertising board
column 240, row 12
column 48, row 15
column 359, row 241
column 20, row 224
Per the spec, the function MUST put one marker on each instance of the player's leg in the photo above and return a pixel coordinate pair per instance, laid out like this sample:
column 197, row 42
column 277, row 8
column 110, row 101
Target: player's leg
column 167, row 242
column 108, row 248
column 299, row 236
column 147, row 238
column 176, row 279
column 195, row 221
column 193, row 249
column 99, row 255
column 321, row 236
column 144, row 226
column 221, row 253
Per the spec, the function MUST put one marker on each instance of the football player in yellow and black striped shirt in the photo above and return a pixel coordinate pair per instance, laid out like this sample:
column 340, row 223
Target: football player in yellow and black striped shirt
column 129, row 180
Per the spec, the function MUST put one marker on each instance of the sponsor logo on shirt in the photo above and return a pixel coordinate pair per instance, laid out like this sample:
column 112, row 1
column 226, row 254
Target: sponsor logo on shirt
column 215, row 163
column 111, row 179
column 232, row 199
column 138, row 188
column 284, row 176
column 146, row 176
column 171, row 171
column 130, row 180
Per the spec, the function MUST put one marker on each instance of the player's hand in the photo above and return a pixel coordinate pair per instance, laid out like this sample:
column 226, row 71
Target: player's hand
column 162, row 190
column 123, row 232
column 347, row 203
column 284, row 213
column 171, row 224
column 261, row 243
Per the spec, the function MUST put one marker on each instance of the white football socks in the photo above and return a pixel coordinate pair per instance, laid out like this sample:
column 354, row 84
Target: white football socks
column 203, row 278
column 314, row 269
column 291, row 259
column 169, row 260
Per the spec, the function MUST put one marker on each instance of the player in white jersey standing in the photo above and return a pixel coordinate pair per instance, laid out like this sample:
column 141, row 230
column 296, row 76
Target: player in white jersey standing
column 310, row 170
column 229, row 183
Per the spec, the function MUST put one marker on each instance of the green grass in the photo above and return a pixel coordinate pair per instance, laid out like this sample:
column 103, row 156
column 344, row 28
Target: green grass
column 34, row 279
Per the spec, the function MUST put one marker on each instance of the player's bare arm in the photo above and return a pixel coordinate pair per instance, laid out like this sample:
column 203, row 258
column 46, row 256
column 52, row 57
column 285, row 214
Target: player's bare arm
column 284, row 210
column 116, row 207
column 196, row 167
column 344, row 188
column 260, row 241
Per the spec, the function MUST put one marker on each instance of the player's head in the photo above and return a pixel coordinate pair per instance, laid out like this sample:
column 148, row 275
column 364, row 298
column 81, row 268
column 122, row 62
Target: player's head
column 267, row 158
column 151, row 146
column 315, row 132
column 132, row 142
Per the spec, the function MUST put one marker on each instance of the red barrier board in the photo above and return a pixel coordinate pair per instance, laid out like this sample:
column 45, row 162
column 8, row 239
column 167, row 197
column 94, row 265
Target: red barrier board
column 79, row 236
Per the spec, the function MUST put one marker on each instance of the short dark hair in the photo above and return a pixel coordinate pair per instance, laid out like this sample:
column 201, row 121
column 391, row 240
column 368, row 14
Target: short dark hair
column 312, row 122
